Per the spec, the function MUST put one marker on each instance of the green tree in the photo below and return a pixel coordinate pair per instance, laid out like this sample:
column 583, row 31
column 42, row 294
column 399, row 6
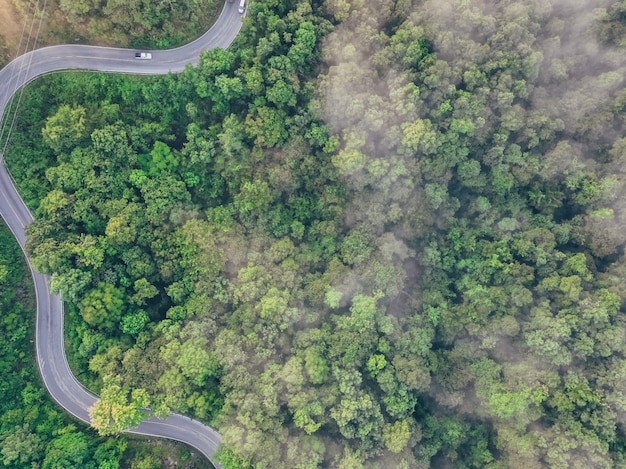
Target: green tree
column 118, row 408
column 20, row 446
column 396, row 435
column 65, row 129
column 103, row 307
column 134, row 322
column 69, row 450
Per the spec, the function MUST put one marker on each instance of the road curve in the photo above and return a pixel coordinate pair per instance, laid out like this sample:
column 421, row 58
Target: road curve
column 53, row 366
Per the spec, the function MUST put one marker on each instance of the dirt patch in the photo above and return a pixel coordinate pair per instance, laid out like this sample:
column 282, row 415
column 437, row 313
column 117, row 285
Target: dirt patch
column 12, row 24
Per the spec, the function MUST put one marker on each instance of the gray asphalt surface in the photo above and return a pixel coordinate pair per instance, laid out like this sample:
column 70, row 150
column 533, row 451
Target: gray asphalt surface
column 53, row 366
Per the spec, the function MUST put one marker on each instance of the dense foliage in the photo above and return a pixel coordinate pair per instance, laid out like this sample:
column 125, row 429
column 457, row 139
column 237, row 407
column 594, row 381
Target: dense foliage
column 34, row 432
column 160, row 24
column 371, row 233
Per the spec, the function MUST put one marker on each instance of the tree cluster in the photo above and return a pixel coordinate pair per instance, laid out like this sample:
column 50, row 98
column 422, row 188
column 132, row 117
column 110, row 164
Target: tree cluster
column 34, row 432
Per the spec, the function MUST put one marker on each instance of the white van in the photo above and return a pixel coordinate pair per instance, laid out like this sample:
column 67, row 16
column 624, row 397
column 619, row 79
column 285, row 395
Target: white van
column 242, row 6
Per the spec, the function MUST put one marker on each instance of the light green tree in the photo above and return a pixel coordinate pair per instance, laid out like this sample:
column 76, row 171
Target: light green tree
column 118, row 408
column 65, row 129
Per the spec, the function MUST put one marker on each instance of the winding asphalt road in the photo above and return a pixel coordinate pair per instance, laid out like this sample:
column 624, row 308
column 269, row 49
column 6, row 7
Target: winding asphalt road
column 53, row 366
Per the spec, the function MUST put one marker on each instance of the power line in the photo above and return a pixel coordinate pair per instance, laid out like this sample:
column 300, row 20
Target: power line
column 18, row 53
column 30, row 61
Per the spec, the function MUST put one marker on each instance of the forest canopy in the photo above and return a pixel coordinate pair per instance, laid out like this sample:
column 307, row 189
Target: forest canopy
column 370, row 234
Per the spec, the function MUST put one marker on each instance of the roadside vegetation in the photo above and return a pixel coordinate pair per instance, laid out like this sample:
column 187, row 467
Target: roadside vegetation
column 34, row 431
column 370, row 234
column 121, row 23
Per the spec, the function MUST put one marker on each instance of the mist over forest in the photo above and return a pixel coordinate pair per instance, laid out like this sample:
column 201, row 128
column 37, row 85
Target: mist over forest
column 371, row 234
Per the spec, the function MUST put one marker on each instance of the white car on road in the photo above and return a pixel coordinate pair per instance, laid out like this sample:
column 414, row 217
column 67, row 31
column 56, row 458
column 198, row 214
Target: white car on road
column 143, row 55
